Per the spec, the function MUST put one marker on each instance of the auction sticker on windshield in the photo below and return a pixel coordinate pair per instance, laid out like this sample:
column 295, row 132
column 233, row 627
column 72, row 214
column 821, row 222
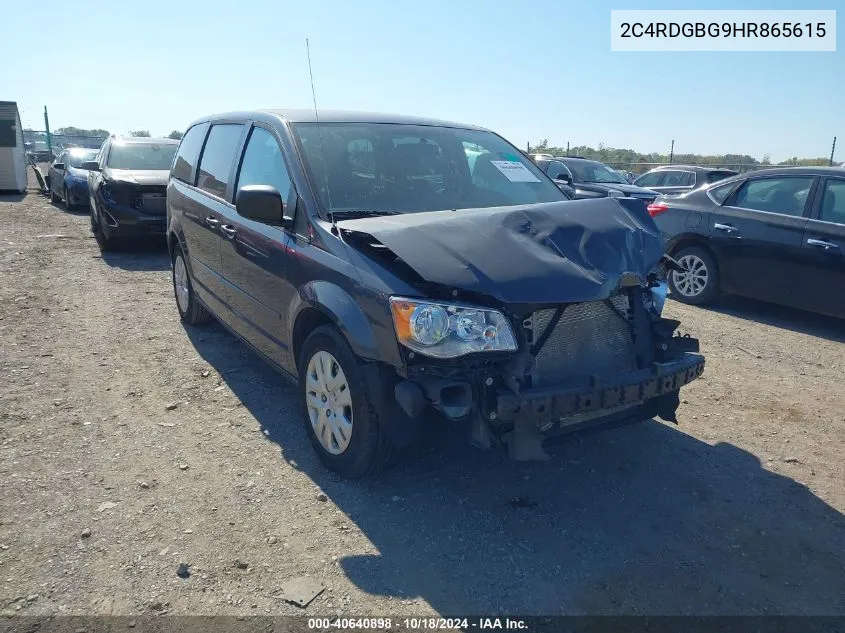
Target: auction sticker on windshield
column 515, row 171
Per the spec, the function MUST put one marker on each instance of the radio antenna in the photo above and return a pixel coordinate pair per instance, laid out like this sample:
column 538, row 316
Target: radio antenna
column 320, row 135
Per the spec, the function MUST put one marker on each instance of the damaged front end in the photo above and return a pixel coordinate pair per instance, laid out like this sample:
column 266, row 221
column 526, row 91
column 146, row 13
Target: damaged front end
column 555, row 326
column 577, row 365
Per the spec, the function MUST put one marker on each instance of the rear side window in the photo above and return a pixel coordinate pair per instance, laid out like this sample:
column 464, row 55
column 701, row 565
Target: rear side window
column 217, row 158
column 775, row 195
column 649, row 180
column 716, row 176
column 720, row 193
column 189, row 152
column 677, row 179
column 833, row 202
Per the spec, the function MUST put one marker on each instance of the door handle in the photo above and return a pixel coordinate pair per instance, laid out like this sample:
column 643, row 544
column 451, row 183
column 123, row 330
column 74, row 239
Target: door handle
column 822, row 244
column 727, row 228
column 212, row 222
column 229, row 231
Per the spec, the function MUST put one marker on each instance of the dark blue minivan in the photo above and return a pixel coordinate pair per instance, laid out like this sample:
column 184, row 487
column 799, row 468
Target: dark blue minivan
column 402, row 268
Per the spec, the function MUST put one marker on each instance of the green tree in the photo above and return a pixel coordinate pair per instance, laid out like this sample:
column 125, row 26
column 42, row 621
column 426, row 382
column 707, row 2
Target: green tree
column 175, row 134
column 141, row 133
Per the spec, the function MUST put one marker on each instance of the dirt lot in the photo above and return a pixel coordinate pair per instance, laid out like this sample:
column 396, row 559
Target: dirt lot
column 105, row 488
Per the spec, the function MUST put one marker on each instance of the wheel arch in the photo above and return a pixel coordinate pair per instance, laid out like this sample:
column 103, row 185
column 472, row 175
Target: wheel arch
column 685, row 241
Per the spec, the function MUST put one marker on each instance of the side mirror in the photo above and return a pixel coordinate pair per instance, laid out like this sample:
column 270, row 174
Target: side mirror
column 59, row 166
column 565, row 178
column 261, row 203
column 91, row 165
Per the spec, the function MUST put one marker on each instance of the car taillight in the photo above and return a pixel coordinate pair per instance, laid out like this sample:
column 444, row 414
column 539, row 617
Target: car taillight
column 656, row 208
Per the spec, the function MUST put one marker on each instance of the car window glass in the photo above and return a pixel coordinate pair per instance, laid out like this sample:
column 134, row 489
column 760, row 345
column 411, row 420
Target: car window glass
column 775, row 195
column 676, row 178
column 556, row 168
column 60, row 158
column 217, row 158
column 721, row 192
column 716, row 176
column 189, row 151
column 652, row 179
column 263, row 163
column 833, row 202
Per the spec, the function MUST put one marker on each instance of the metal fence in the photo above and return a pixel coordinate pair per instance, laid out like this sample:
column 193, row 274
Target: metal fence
column 45, row 147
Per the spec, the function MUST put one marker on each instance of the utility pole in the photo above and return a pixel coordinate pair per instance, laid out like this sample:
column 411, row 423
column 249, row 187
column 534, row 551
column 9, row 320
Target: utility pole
column 567, row 148
column 832, row 149
column 672, row 152
column 528, row 147
column 47, row 127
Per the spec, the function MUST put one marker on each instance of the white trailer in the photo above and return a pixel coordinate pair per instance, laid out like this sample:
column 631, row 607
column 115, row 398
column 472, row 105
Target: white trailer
column 12, row 155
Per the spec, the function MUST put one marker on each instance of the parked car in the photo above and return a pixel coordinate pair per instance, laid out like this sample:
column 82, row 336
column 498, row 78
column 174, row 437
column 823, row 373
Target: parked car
column 66, row 178
column 592, row 179
column 127, row 187
column 362, row 255
column 671, row 179
column 774, row 234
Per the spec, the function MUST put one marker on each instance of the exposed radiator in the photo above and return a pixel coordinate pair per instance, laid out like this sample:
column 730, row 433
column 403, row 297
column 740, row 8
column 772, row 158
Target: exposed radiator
column 590, row 339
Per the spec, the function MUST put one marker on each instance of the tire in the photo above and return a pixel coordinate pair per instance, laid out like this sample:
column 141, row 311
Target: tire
column 68, row 205
column 368, row 449
column 107, row 242
column 700, row 285
column 191, row 311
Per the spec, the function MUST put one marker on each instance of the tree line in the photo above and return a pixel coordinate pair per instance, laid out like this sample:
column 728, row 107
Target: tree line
column 94, row 133
column 629, row 159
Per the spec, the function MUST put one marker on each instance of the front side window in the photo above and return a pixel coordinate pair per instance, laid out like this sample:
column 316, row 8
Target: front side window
column 141, row 156
column 217, row 158
column 75, row 159
column 392, row 168
column 833, row 202
column 263, row 163
column 189, row 153
column 716, row 176
column 557, row 170
column 787, row 195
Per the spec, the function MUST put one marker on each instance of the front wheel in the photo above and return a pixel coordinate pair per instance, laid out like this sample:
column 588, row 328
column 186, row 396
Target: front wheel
column 68, row 205
column 698, row 281
column 339, row 415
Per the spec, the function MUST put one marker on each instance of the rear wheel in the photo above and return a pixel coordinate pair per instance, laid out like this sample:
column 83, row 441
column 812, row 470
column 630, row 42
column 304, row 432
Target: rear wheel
column 698, row 281
column 339, row 415
column 191, row 311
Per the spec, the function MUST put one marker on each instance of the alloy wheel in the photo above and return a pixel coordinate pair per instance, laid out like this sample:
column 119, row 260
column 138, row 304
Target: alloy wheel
column 693, row 279
column 180, row 282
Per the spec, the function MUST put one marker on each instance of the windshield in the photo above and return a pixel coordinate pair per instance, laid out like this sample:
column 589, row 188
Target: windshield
column 389, row 168
column 149, row 156
column 75, row 159
column 590, row 171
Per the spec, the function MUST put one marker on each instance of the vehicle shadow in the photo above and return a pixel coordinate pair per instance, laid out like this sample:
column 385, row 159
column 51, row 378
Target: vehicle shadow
column 779, row 316
column 11, row 196
column 138, row 255
column 80, row 211
column 642, row 519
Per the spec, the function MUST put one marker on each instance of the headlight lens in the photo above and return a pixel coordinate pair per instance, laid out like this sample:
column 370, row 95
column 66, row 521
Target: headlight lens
column 444, row 330
column 615, row 193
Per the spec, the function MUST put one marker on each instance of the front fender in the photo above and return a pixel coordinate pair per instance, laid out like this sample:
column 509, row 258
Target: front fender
column 358, row 325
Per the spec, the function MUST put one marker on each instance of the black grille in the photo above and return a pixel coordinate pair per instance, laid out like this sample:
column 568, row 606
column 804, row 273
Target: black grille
column 590, row 339
column 152, row 202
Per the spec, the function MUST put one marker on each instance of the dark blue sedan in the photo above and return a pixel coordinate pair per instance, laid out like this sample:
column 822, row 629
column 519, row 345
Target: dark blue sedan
column 67, row 180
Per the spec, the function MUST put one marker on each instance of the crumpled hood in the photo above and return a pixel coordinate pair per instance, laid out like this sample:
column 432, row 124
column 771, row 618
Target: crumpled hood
column 138, row 176
column 560, row 252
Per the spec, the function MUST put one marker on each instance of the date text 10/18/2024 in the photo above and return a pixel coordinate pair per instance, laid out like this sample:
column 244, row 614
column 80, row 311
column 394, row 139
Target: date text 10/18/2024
column 422, row 623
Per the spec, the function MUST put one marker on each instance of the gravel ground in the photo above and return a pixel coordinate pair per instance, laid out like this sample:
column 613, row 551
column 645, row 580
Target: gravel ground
column 130, row 444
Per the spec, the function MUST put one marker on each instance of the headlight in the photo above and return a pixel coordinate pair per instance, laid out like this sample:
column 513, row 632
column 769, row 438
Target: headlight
column 443, row 330
column 615, row 193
